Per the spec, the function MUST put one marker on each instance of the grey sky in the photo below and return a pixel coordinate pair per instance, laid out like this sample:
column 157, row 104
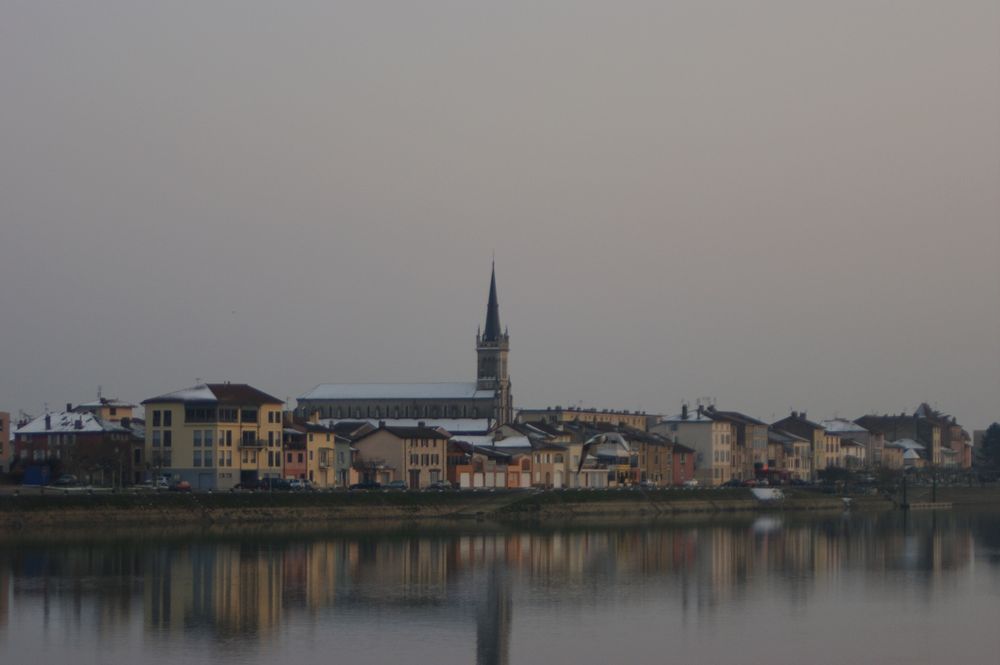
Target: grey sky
column 775, row 203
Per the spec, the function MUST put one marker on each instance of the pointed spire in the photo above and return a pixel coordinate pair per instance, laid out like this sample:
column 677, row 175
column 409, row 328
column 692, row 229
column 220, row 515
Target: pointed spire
column 492, row 330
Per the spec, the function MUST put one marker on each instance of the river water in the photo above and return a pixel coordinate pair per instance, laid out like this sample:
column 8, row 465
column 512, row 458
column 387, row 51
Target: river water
column 879, row 588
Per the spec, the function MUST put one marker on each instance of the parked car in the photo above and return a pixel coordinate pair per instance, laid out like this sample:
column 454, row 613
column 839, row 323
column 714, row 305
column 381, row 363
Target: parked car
column 440, row 485
column 299, row 485
column 693, row 482
column 395, row 485
column 181, row 486
column 365, row 486
column 66, row 480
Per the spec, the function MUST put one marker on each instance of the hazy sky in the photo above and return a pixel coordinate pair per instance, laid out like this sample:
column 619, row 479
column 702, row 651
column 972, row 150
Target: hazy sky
column 776, row 203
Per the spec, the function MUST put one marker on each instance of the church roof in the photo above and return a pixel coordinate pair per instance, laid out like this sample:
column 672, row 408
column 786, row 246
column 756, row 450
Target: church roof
column 372, row 391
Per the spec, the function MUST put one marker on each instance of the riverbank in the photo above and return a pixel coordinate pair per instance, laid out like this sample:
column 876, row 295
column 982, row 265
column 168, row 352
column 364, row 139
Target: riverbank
column 353, row 509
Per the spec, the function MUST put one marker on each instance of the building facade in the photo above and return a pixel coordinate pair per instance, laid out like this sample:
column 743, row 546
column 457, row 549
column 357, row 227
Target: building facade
column 214, row 435
column 557, row 414
column 6, row 452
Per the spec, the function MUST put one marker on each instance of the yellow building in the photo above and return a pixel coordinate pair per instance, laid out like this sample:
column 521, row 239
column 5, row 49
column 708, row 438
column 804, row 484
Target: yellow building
column 214, row 435
column 556, row 415
column 415, row 455
column 712, row 438
column 319, row 454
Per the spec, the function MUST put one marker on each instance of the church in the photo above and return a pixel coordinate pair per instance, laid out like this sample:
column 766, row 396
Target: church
column 489, row 396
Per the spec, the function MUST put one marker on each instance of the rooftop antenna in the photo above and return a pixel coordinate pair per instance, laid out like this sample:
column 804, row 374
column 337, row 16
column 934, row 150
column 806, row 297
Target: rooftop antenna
column 98, row 393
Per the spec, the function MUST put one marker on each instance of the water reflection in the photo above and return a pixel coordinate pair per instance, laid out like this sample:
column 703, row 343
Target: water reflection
column 441, row 588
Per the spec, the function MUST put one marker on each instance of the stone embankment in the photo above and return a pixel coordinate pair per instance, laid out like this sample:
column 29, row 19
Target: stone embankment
column 354, row 509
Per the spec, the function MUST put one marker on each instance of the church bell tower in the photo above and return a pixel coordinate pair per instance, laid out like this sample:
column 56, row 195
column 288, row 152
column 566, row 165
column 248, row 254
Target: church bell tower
column 492, row 347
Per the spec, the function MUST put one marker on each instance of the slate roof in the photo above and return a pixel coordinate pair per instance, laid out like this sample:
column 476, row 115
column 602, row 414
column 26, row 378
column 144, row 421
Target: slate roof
column 410, row 433
column 397, row 391
column 218, row 393
column 453, row 425
column 492, row 331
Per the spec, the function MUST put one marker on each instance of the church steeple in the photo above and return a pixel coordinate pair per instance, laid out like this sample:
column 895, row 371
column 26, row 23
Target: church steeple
column 492, row 347
column 492, row 331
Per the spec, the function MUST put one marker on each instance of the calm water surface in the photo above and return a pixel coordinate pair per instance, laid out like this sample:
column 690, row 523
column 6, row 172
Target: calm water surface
column 840, row 589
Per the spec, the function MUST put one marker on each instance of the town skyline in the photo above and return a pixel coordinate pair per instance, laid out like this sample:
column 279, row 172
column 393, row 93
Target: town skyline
column 780, row 208
column 708, row 398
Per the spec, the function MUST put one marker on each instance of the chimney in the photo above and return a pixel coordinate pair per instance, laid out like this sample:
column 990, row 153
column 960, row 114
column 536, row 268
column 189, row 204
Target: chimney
column 314, row 416
column 48, row 422
column 803, row 415
column 701, row 411
column 684, row 412
column 69, row 406
column 795, row 414
column 381, row 424
column 420, row 423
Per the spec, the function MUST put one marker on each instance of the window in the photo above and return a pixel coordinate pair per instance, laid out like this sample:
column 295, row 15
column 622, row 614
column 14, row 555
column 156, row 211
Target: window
column 208, row 438
column 302, row 458
column 311, row 456
column 248, row 416
column 249, row 438
column 167, row 438
column 227, row 415
column 288, row 458
column 197, row 458
column 229, row 438
column 156, row 438
column 197, row 441
column 156, row 418
column 167, row 418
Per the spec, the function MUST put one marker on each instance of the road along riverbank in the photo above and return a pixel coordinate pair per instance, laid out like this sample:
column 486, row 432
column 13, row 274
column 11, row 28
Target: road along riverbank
column 350, row 509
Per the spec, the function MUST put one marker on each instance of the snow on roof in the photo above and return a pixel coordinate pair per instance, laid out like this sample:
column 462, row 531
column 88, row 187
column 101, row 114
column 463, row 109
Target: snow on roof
column 348, row 391
column 906, row 444
column 911, row 454
column 839, row 425
column 486, row 441
column 692, row 417
column 63, row 421
column 218, row 393
column 199, row 393
column 105, row 402
column 453, row 425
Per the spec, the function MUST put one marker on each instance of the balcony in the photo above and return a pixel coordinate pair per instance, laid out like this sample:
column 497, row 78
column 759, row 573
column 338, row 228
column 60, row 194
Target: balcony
column 252, row 442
